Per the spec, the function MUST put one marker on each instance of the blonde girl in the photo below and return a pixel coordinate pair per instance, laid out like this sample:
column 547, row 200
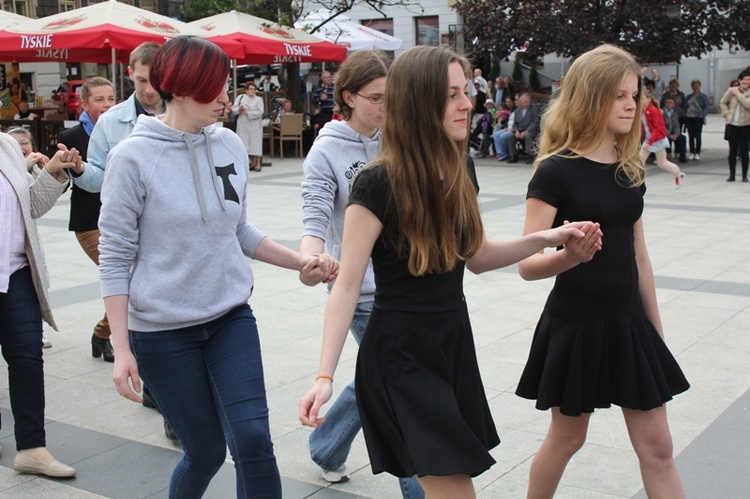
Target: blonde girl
column 600, row 340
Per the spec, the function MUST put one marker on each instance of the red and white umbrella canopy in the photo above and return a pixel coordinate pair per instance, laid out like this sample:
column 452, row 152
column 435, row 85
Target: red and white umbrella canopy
column 266, row 42
column 347, row 33
column 92, row 32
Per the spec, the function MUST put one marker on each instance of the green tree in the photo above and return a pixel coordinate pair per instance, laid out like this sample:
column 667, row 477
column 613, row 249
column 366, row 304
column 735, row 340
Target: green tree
column 495, row 71
column 517, row 72
column 662, row 31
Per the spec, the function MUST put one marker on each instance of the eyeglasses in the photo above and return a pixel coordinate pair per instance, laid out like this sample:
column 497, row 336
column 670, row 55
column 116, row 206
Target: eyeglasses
column 374, row 99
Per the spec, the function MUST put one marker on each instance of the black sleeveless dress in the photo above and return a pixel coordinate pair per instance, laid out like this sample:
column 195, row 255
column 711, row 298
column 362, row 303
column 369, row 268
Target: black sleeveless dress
column 593, row 345
column 419, row 393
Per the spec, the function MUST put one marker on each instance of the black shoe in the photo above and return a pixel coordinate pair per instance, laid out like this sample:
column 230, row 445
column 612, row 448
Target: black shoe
column 102, row 348
column 148, row 400
column 730, row 179
column 513, row 159
column 683, row 160
column 530, row 160
column 169, row 432
column 744, row 179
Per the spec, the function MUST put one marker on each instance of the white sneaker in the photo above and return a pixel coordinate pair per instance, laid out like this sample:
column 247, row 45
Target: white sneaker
column 691, row 157
column 46, row 343
column 340, row 474
column 697, row 156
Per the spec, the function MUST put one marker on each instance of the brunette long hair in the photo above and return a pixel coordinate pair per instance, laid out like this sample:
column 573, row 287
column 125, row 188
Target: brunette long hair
column 435, row 199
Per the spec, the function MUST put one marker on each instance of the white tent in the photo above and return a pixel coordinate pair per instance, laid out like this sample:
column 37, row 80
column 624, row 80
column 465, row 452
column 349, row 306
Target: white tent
column 347, row 33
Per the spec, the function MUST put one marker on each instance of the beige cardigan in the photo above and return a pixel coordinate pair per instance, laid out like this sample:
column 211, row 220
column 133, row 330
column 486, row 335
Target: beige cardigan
column 730, row 102
column 36, row 196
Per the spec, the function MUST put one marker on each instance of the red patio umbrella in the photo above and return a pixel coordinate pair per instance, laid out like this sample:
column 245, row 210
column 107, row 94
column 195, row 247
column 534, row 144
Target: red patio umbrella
column 265, row 42
column 93, row 34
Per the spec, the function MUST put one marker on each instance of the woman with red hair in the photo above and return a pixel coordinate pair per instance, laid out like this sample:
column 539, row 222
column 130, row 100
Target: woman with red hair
column 175, row 279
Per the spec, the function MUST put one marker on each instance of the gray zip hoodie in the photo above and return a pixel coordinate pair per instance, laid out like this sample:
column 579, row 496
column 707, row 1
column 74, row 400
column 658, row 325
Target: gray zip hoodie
column 335, row 157
column 174, row 233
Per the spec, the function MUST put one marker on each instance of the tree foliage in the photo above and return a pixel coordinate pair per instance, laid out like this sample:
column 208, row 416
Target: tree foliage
column 199, row 9
column 653, row 31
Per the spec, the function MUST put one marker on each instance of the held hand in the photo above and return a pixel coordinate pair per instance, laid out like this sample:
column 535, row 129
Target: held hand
column 583, row 249
column 331, row 265
column 124, row 374
column 319, row 269
column 310, row 404
column 36, row 158
column 65, row 159
column 560, row 235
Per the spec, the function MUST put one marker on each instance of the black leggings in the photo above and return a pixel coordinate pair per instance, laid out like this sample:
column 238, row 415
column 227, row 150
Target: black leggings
column 694, row 129
column 738, row 137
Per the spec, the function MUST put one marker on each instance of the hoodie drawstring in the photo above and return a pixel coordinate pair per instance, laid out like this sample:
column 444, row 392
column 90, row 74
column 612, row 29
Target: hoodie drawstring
column 197, row 175
column 217, row 187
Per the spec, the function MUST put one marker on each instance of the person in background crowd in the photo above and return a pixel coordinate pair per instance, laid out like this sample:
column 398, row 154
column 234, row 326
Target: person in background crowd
column 175, row 277
column 655, row 140
column 659, row 86
column 679, row 101
column 249, row 110
column 672, row 123
column 24, row 302
column 323, row 97
column 112, row 128
column 28, row 148
column 735, row 107
column 696, row 109
column 24, row 113
column 97, row 96
column 418, row 388
column 265, row 85
column 600, row 340
column 286, row 108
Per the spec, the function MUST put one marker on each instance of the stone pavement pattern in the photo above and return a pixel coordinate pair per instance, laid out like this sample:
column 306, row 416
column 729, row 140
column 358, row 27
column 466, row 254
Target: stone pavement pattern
column 698, row 238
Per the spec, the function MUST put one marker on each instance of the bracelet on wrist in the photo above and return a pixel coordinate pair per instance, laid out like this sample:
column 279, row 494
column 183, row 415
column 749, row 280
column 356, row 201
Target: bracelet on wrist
column 324, row 376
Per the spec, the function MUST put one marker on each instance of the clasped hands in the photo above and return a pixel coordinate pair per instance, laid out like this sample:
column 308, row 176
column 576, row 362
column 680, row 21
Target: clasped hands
column 64, row 159
column 581, row 246
column 320, row 268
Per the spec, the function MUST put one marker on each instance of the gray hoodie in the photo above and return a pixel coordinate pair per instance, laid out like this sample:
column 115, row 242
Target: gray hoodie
column 174, row 233
column 335, row 157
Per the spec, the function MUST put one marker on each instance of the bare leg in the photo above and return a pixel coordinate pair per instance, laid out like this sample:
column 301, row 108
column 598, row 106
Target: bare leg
column 666, row 165
column 447, row 487
column 649, row 434
column 565, row 437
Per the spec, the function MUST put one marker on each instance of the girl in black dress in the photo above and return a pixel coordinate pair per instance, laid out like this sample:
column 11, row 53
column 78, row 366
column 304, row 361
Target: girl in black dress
column 414, row 211
column 599, row 340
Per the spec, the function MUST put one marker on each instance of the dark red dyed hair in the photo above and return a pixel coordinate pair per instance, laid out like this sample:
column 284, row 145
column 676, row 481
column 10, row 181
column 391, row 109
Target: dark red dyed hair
column 190, row 67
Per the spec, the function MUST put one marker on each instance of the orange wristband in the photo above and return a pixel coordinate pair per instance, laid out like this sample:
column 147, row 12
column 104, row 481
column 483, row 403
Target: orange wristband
column 324, row 376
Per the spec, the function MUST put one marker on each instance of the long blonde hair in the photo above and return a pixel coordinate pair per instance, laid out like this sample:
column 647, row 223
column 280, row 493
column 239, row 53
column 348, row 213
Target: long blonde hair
column 576, row 119
column 435, row 199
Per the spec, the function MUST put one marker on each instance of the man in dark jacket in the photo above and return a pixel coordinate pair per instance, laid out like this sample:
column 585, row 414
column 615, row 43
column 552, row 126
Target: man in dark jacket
column 525, row 129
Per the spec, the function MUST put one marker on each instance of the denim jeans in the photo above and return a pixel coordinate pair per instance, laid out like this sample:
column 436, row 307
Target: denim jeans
column 331, row 442
column 21, row 340
column 501, row 142
column 208, row 382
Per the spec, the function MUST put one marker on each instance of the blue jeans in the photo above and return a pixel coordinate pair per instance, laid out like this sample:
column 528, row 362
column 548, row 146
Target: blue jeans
column 208, row 382
column 501, row 142
column 21, row 340
column 331, row 442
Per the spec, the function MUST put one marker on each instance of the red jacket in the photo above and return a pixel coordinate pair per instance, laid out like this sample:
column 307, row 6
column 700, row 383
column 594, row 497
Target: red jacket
column 655, row 122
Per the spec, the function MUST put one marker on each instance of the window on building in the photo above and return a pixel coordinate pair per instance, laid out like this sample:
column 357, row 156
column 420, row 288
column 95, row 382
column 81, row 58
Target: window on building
column 428, row 30
column 147, row 5
column 20, row 7
column 382, row 25
column 66, row 5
